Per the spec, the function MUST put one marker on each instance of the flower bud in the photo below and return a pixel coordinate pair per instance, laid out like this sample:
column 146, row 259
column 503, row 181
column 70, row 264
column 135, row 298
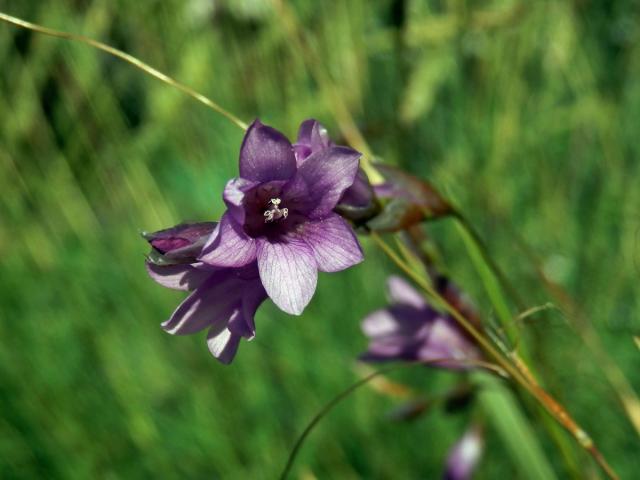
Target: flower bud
column 464, row 456
column 179, row 244
column 408, row 200
column 359, row 203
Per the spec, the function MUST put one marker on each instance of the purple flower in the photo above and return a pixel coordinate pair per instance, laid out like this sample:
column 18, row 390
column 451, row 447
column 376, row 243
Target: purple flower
column 358, row 202
column 224, row 300
column 280, row 215
column 410, row 330
column 464, row 456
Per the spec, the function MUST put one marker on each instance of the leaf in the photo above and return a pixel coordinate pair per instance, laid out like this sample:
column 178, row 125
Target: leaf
column 513, row 428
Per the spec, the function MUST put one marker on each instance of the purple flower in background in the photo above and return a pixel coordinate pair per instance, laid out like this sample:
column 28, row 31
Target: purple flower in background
column 410, row 330
column 464, row 456
column 224, row 300
column 280, row 215
column 358, row 201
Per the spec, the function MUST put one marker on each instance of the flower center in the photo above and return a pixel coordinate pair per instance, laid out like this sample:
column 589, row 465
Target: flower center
column 274, row 212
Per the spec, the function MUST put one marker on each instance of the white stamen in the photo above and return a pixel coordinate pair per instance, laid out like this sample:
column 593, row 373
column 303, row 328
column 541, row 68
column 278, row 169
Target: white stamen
column 274, row 212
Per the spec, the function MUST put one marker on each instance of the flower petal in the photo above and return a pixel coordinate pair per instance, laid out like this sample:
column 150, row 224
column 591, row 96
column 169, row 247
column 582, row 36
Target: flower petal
column 266, row 154
column 335, row 246
column 446, row 340
column 301, row 152
column 464, row 455
column 396, row 346
column 329, row 173
column 244, row 324
column 233, row 196
column 312, row 137
column 400, row 320
column 213, row 302
column 402, row 292
column 222, row 343
column 289, row 273
column 229, row 246
column 177, row 277
column 379, row 324
column 360, row 194
column 179, row 244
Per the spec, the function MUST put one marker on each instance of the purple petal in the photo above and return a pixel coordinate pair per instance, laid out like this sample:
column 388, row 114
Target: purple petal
column 222, row 343
column 446, row 340
column 301, row 152
column 312, row 137
column 213, row 302
column 333, row 242
column 266, row 154
column 244, row 324
column 329, row 173
column 252, row 299
column 233, row 196
column 407, row 320
column 464, row 456
column 360, row 194
column 179, row 244
column 396, row 346
column 289, row 273
column 229, row 246
column 402, row 292
column 177, row 277
column 380, row 323
column 391, row 348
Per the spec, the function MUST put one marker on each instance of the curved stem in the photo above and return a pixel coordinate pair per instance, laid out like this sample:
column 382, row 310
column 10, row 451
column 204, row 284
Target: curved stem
column 149, row 70
column 348, row 391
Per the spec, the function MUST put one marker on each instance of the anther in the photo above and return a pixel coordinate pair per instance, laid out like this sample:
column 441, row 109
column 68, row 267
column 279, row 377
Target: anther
column 274, row 212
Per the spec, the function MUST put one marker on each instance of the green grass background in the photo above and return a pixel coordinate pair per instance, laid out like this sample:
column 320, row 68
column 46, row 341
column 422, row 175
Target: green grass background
column 526, row 113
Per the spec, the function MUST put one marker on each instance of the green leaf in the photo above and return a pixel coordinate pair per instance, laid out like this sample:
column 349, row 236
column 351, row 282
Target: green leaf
column 513, row 428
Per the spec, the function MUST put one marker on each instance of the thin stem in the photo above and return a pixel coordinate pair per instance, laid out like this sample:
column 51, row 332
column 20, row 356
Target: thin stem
column 577, row 320
column 549, row 403
column 495, row 268
column 348, row 391
column 149, row 70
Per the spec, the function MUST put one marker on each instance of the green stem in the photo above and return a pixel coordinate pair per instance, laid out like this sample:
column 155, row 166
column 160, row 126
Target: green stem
column 149, row 70
column 348, row 391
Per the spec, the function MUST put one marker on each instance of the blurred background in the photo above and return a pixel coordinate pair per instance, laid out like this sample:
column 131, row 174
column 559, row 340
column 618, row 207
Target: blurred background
column 524, row 113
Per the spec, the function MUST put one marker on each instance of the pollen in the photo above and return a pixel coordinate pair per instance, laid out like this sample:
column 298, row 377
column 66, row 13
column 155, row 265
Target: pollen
column 274, row 212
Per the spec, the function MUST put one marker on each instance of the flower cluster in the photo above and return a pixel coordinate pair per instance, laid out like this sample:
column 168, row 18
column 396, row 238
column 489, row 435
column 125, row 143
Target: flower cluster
column 280, row 228
column 287, row 217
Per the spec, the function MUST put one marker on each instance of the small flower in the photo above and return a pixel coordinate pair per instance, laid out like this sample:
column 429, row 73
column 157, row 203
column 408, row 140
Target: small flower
column 410, row 330
column 464, row 455
column 224, row 300
column 280, row 215
column 358, row 202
